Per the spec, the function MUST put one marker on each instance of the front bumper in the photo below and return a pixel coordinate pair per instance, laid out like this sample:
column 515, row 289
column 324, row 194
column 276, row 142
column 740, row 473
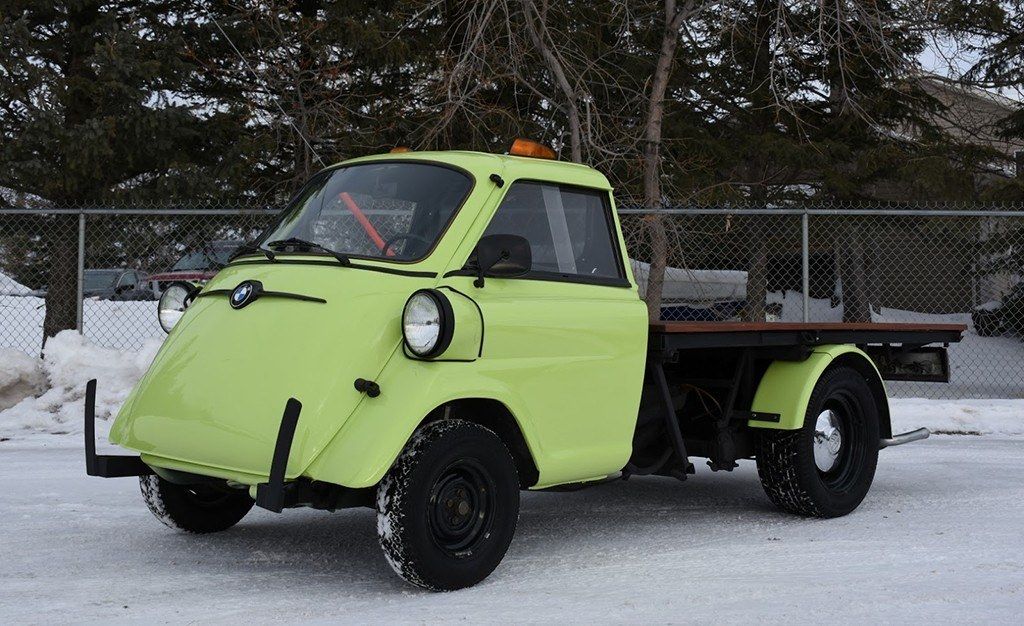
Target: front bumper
column 270, row 495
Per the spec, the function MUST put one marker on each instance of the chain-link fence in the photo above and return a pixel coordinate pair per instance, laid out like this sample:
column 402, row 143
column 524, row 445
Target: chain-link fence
column 851, row 265
column 101, row 270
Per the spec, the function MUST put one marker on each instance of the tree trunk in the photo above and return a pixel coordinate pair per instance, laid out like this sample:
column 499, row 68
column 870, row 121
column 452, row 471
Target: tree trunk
column 306, row 96
column 655, row 225
column 757, row 235
column 757, row 270
column 853, row 272
column 538, row 32
column 62, row 281
column 652, row 158
column 61, row 236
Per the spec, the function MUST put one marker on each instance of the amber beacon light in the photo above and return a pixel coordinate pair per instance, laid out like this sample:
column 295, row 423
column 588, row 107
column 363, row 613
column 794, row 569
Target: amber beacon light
column 528, row 148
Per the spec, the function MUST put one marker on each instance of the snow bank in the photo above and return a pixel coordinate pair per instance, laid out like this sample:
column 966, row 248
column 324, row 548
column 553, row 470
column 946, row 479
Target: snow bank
column 69, row 361
column 21, row 376
column 974, row 417
column 11, row 287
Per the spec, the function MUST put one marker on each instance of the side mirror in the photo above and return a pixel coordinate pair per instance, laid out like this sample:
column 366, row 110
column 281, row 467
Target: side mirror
column 504, row 256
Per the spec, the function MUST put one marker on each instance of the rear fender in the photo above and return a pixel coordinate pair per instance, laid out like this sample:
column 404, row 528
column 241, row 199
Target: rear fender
column 786, row 386
column 364, row 449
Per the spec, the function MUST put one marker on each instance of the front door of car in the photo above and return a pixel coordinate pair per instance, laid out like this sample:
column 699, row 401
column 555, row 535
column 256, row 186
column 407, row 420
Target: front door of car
column 569, row 337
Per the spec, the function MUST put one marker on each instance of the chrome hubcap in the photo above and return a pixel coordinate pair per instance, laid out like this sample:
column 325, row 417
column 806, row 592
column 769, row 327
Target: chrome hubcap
column 828, row 440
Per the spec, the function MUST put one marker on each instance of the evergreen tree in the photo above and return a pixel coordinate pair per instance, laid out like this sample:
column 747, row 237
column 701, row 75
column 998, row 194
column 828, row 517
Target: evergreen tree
column 93, row 111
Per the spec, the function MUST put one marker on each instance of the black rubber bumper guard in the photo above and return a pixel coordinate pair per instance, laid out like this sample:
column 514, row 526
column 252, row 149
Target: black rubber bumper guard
column 106, row 466
column 269, row 495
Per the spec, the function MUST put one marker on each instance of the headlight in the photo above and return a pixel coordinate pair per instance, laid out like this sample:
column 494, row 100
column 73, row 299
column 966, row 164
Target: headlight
column 173, row 302
column 428, row 323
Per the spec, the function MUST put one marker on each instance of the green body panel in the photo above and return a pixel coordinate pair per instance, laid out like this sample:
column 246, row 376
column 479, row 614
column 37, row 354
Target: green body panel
column 567, row 359
column 787, row 386
column 215, row 393
column 574, row 391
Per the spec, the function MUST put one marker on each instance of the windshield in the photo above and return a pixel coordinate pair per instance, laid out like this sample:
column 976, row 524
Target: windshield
column 211, row 257
column 393, row 211
column 99, row 279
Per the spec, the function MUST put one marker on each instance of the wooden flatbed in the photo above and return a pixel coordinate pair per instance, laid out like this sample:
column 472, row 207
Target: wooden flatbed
column 669, row 336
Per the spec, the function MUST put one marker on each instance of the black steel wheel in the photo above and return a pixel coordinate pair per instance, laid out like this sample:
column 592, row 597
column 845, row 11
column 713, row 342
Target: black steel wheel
column 448, row 507
column 194, row 508
column 825, row 468
column 462, row 506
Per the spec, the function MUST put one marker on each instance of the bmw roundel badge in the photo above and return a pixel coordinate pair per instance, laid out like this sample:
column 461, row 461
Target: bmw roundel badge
column 244, row 293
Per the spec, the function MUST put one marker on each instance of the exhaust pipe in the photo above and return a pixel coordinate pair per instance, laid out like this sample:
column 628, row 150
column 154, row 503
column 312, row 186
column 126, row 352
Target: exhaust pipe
column 899, row 440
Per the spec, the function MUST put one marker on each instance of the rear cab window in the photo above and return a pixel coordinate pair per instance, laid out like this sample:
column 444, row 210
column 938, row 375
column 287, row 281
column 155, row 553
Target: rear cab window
column 570, row 231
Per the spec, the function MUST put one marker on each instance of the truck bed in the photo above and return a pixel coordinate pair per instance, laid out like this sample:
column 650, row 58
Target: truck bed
column 685, row 335
column 703, row 378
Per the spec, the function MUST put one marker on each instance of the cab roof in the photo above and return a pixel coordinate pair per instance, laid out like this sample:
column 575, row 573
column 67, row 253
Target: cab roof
column 511, row 168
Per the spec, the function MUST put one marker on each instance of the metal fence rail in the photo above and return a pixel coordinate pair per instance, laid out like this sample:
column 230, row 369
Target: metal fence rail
column 814, row 263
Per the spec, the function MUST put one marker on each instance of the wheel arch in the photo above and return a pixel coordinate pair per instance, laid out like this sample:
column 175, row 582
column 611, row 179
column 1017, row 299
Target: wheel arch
column 786, row 387
column 371, row 440
column 497, row 417
column 862, row 363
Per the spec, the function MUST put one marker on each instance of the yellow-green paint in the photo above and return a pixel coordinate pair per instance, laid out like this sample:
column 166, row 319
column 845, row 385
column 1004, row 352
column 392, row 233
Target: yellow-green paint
column 787, row 386
column 543, row 360
column 567, row 359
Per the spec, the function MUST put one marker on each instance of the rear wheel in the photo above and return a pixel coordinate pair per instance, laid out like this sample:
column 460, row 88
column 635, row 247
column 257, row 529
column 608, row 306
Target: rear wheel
column 447, row 509
column 825, row 468
column 194, row 508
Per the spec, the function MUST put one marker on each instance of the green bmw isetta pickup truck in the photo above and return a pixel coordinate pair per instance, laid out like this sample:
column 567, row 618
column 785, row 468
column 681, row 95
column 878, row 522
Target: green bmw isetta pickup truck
column 430, row 333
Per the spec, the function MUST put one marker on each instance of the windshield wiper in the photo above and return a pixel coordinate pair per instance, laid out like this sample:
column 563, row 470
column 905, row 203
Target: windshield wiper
column 295, row 242
column 249, row 248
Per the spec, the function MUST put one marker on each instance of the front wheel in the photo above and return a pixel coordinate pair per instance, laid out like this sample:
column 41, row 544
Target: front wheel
column 194, row 508
column 825, row 468
column 448, row 507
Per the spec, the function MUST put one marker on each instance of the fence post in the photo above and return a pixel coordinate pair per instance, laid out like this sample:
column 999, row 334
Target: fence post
column 805, row 254
column 80, row 294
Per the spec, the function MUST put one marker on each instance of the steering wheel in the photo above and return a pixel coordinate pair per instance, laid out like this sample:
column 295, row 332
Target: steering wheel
column 397, row 238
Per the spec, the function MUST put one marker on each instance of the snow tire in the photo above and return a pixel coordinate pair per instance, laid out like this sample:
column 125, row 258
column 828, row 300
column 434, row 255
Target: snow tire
column 194, row 509
column 448, row 507
column 785, row 458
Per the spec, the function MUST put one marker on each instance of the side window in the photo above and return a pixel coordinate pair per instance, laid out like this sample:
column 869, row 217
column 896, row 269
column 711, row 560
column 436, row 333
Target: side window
column 568, row 228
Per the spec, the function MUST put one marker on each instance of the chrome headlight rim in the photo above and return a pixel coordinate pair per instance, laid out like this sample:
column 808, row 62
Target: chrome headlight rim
column 172, row 292
column 446, row 323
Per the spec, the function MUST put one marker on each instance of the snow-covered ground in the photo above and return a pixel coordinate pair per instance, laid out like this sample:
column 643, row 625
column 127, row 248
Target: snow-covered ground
column 937, row 540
